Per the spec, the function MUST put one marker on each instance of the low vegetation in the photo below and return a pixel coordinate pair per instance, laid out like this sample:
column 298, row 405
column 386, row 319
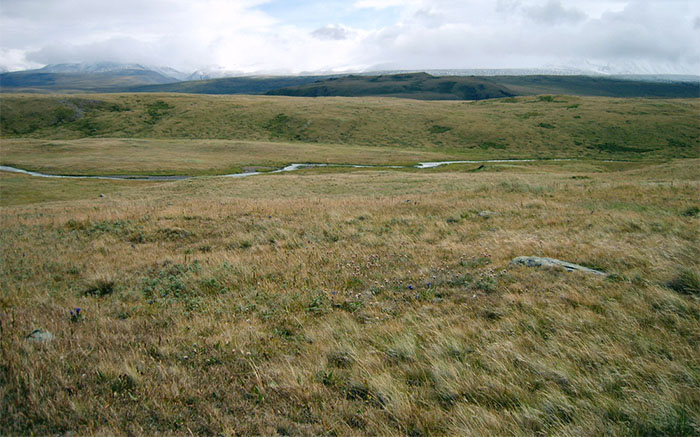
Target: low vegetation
column 366, row 302
column 349, row 301
column 421, row 86
column 405, row 85
column 532, row 127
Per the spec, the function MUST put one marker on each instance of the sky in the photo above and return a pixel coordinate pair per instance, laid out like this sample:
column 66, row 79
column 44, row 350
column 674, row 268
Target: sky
column 301, row 36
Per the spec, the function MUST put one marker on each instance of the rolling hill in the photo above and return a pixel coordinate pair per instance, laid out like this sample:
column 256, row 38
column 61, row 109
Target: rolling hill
column 543, row 126
column 598, row 86
column 229, row 85
column 118, row 78
column 420, row 86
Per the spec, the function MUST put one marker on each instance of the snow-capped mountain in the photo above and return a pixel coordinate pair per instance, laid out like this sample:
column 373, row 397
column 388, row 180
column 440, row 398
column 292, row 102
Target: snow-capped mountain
column 110, row 67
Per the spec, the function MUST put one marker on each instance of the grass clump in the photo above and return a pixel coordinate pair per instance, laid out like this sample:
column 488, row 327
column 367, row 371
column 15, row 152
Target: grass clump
column 692, row 211
column 616, row 148
column 437, row 129
column 101, row 287
column 686, row 281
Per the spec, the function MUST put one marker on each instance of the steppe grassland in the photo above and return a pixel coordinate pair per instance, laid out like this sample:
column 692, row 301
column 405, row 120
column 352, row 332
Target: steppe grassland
column 368, row 302
column 71, row 130
column 190, row 157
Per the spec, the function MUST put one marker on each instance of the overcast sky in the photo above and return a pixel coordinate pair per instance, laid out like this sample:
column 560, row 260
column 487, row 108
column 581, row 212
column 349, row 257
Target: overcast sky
column 292, row 36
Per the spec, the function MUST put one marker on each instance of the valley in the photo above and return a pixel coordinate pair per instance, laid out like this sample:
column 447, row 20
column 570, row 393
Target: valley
column 373, row 300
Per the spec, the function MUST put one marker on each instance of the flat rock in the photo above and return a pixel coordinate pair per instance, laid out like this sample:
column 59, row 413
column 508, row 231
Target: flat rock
column 536, row 261
column 40, row 335
column 487, row 214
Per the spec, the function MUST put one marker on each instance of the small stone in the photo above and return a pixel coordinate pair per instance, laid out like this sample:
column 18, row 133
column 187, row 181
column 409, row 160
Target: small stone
column 536, row 261
column 40, row 335
column 487, row 214
column 102, row 195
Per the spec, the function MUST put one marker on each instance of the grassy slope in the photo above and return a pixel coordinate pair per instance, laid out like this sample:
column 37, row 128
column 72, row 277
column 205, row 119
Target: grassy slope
column 229, row 85
column 413, row 85
column 596, row 86
column 427, row 87
column 544, row 126
column 299, row 304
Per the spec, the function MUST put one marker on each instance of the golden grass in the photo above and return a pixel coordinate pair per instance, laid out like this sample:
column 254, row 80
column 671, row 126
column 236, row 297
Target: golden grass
column 115, row 156
column 561, row 126
column 299, row 304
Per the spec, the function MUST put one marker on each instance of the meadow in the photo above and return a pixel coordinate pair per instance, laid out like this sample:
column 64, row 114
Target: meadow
column 338, row 301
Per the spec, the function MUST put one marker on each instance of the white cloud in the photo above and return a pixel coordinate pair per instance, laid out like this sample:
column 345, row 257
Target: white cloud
column 337, row 33
column 553, row 12
column 265, row 35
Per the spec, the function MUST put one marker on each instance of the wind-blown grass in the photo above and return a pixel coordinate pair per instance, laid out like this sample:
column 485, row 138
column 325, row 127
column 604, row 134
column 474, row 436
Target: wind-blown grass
column 561, row 126
column 370, row 302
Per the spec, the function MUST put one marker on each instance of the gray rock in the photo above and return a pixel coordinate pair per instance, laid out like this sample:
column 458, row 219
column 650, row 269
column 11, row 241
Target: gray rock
column 40, row 335
column 536, row 261
column 487, row 214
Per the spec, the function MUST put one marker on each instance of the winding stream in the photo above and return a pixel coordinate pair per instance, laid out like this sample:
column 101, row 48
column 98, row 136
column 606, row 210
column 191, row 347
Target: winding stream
column 291, row 167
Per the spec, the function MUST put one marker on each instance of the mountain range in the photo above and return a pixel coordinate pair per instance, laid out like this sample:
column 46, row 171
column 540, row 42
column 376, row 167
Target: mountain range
column 108, row 77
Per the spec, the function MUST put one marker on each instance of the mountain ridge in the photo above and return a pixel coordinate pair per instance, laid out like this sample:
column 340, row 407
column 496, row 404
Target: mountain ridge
column 110, row 77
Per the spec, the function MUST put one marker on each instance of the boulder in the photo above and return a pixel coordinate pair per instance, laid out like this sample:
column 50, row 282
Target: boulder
column 536, row 261
column 41, row 336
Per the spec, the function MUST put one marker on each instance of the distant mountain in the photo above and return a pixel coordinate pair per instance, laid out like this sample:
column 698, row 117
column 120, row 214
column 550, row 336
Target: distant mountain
column 420, row 86
column 106, row 77
column 110, row 67
column 97, row 77
column 214, row 73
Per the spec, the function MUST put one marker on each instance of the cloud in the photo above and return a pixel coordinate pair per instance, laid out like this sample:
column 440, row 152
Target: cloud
column 336, row 33
column 315, row 35
column 553, row 12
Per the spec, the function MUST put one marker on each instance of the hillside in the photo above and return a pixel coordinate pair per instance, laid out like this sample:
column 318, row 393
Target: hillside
column 598, row 86
column 420, row 86
column 49, row 82
column 540, row 126
column 229, row 85
column 426, row 87
column 118, row 78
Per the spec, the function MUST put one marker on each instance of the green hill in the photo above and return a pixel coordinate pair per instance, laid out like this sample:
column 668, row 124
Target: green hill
column 229, row 85
column 420, row 86
column 538, row 126
column 426, row 87
column 597, row 86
